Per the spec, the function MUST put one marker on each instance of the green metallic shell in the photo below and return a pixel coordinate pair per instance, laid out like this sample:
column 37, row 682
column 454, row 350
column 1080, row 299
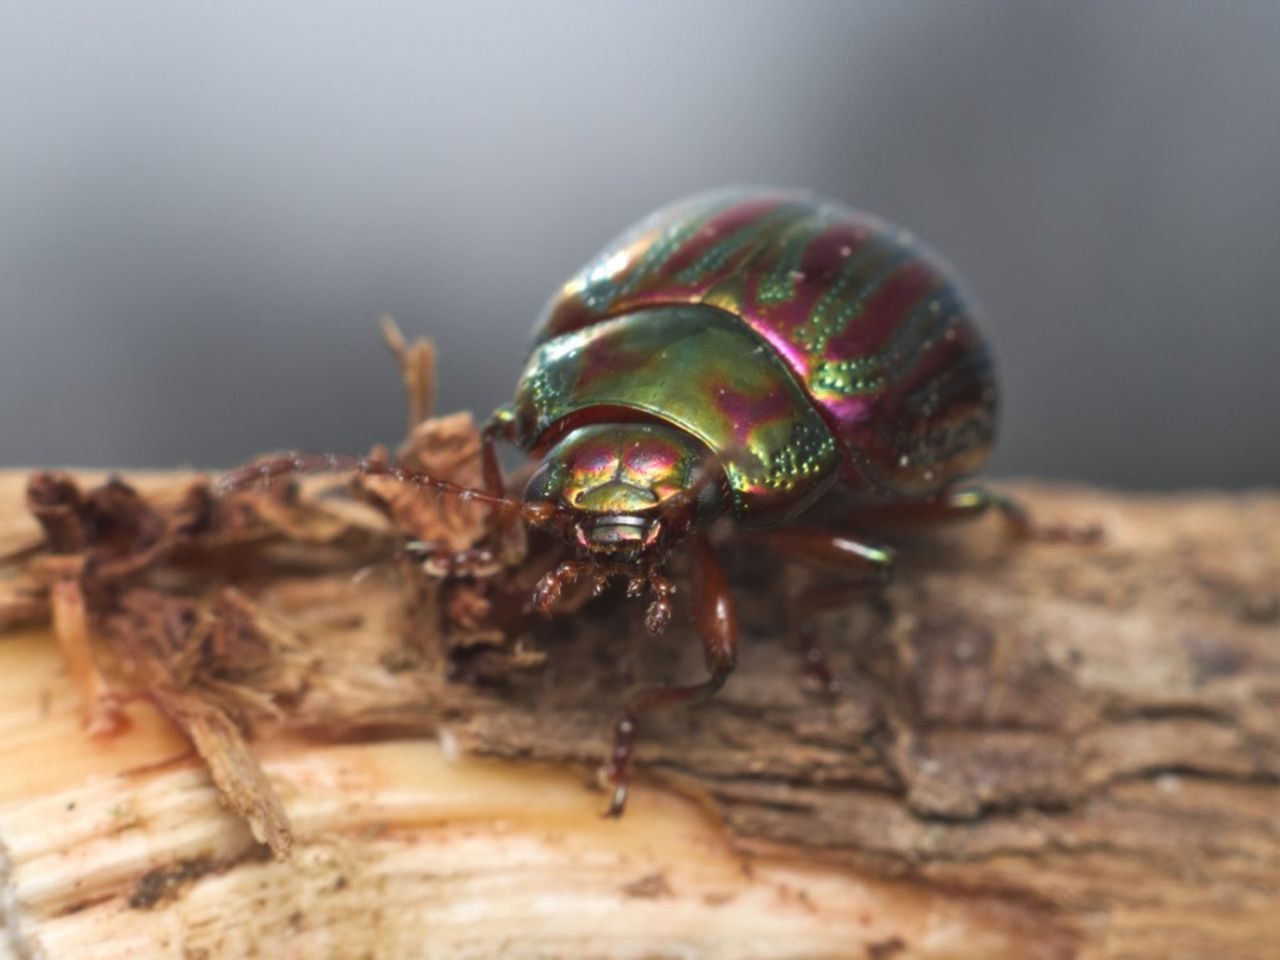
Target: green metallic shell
column 704, row 371
column 874, row 327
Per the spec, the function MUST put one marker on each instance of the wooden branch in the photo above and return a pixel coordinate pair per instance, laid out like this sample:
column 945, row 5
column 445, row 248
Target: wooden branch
column 1040, row 752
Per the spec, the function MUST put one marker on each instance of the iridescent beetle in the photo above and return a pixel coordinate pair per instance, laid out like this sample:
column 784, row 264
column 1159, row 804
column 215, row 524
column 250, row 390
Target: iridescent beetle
column 747, row 353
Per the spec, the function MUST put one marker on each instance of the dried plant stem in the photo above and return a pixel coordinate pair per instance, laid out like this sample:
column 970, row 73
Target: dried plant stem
column 71, row 627
column 417, row 363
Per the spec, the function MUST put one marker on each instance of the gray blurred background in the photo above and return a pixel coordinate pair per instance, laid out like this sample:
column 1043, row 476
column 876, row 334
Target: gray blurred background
column 205, row 208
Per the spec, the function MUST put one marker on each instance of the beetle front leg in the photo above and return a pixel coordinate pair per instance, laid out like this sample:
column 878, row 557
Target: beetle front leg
column 504, row 528
column 717, row 626
column 547, row 593
column 502, row 425
column 870, row 564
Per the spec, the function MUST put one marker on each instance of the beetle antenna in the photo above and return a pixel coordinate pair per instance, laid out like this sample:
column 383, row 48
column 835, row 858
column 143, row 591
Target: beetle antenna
column 265, row 470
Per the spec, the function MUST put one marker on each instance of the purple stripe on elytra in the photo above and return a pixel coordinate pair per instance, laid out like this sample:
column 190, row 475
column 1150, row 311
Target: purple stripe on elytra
column 868, row 322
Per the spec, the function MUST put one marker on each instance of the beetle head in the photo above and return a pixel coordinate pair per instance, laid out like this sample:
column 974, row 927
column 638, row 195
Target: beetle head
column 626, row 491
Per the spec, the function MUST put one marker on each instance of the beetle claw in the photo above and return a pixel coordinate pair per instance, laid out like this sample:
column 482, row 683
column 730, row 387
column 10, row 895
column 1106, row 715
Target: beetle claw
column 618, row 802
column 617, row 771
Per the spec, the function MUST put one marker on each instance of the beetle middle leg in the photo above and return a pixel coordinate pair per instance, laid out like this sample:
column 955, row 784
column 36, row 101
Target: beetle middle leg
column 717, row 626
column 870, row 565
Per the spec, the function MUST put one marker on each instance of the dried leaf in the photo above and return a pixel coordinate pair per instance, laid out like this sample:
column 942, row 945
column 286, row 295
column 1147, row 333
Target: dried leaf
column 447, row 448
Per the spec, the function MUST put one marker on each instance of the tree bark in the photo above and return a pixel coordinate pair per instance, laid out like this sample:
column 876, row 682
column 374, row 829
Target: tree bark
column 1038, row 751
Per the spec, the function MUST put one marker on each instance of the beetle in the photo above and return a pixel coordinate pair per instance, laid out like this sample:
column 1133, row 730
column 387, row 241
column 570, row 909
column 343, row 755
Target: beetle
column 764, row 355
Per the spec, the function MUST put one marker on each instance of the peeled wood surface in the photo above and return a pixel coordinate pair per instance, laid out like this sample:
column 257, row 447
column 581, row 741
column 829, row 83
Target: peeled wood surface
column 404, row 852
column 1040, row 751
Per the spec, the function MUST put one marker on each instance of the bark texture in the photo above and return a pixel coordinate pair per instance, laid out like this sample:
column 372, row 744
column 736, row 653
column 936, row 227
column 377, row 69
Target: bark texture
column 1039, row 751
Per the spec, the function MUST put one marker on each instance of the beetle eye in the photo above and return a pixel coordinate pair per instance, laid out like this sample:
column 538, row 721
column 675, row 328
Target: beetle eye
column 709, row 503
column 546, row 484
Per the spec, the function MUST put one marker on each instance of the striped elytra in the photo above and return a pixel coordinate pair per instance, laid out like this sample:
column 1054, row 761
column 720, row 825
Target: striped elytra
column 808, row 344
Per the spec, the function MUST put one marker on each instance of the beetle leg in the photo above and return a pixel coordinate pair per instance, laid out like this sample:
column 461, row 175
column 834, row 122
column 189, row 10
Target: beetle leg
column 501, row 424
column 836, row 550
column 550, row 588
column 506, row 533
column 658, row 615
column 718, row 628
column 871, row 564
column 967, row 503
column 1025, row 527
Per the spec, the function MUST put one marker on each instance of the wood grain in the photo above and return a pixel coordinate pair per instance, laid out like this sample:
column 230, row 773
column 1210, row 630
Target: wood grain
column 1040, row 751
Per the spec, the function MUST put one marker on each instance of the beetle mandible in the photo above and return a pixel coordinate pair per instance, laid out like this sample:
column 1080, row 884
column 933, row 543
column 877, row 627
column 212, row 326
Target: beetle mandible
column 747, row 353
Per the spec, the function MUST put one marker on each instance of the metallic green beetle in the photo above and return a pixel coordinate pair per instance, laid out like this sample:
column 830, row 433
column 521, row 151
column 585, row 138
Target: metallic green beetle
column 759, row 354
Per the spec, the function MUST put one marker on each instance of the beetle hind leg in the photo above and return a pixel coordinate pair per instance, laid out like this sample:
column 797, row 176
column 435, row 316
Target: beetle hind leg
column 969, row 503
column 1025, row 527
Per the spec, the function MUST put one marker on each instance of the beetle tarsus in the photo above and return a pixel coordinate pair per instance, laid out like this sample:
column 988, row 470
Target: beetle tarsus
column 1078, row 534
column 617, row 770
column 1024, row 526
column 546, row 595
column 658, row 615
column 816, row 665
